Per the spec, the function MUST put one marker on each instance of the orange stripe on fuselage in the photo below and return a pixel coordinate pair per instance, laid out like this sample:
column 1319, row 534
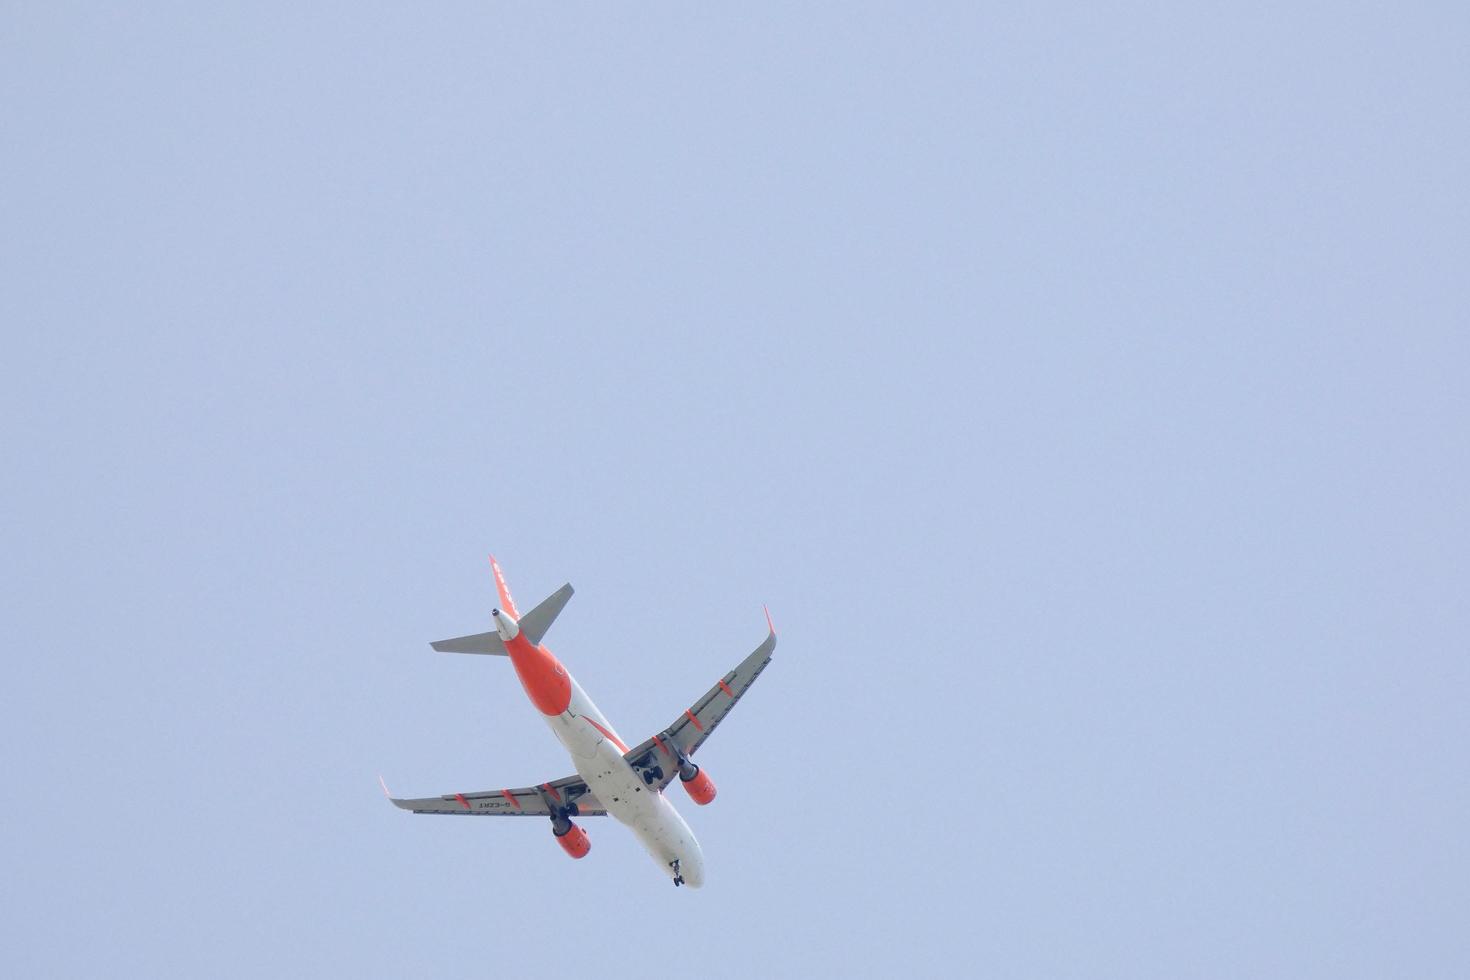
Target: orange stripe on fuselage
column 607, row 734
column 546, row 681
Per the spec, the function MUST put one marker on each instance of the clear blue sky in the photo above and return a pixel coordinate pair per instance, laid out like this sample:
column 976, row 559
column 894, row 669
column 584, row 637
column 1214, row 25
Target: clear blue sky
column 1086, row 388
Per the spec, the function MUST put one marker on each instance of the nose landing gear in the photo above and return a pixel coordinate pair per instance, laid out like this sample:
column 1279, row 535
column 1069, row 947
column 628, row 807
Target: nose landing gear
column 678, row 878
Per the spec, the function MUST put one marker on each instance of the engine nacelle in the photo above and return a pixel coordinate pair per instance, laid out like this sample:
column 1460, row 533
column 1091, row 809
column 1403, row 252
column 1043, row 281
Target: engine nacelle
column 697, row 784
column 573, row 840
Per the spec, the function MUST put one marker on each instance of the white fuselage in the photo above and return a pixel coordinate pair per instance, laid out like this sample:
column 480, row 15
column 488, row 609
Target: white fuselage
column 597, row 752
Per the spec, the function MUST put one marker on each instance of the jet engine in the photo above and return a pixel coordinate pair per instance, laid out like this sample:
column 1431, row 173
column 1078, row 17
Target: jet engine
column 573, row 839
column 697, row 784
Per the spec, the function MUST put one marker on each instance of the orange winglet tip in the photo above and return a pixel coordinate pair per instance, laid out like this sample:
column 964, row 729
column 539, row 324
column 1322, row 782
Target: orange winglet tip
column 770, row 625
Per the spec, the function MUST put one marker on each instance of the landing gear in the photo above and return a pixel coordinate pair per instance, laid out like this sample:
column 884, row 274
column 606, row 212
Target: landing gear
column 678, row 878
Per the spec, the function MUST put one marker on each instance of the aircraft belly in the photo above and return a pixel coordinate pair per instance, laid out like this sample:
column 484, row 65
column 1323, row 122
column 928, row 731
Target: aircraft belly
column 580, row 728
column 653, row 819
column 580, row 739
column 663, row 833
column 614, row 782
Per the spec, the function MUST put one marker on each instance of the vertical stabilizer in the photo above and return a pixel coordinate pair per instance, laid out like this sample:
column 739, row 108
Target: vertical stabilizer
column 506, row 602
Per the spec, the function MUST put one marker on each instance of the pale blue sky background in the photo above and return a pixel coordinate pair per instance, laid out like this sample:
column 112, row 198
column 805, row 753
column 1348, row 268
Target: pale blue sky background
column 1084, row 387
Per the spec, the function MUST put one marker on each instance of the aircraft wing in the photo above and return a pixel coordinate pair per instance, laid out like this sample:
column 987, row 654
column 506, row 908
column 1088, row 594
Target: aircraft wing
column 657, row 761
column 527, row 801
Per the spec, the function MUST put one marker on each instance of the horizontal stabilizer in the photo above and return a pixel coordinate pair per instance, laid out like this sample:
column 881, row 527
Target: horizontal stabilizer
column 535, row 623
column 533, row 627
column 479, row 643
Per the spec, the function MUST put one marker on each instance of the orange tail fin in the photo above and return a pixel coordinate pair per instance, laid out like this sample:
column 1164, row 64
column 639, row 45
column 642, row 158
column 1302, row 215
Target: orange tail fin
column 507, row 604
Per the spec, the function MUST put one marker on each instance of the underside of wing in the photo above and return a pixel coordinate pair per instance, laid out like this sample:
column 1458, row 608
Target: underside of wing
column 658, row 758
column 524, row 801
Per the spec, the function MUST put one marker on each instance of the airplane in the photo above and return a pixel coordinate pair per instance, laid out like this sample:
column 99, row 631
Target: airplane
column 610, row 777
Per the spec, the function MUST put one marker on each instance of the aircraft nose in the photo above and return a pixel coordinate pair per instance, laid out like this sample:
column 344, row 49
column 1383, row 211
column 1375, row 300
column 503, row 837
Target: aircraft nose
column 692, row 868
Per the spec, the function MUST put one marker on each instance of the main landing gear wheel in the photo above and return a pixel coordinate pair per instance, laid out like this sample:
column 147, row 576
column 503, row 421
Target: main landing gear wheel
column 678, row 878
